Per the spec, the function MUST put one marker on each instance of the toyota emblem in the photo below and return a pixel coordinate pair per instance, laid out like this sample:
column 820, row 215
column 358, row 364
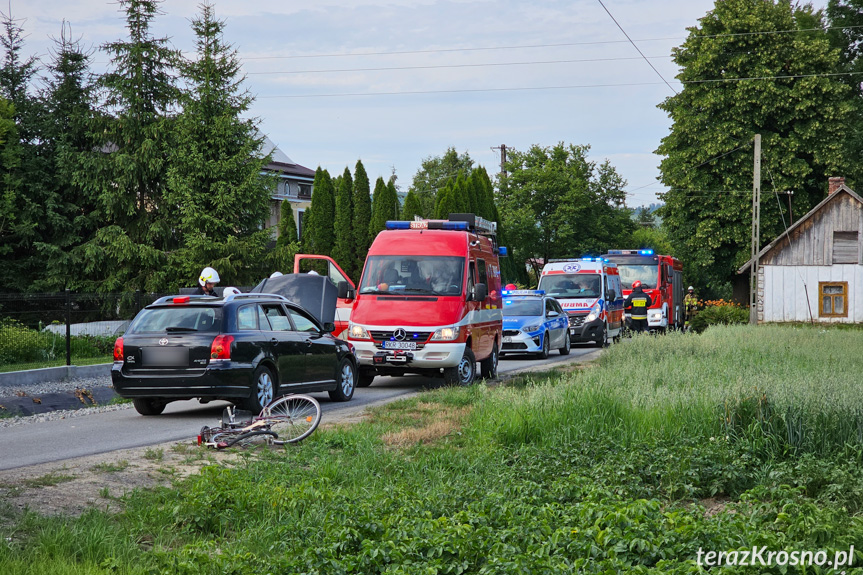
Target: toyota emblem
column 163, row 341
column 400, row 334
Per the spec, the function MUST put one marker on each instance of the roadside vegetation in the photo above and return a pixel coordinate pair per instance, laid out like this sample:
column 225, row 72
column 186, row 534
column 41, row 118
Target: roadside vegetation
column 24, row 348
column 734, row 438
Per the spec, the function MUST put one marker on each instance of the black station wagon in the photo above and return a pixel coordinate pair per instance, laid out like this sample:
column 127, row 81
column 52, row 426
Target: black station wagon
column 244, row 348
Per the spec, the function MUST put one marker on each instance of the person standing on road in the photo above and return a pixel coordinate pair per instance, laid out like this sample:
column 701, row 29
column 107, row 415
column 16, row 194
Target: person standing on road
column 637, row 303
column 690, row 305
column 207, row 282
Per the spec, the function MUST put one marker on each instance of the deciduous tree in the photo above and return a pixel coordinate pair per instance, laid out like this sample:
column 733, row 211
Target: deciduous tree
column 740, row 80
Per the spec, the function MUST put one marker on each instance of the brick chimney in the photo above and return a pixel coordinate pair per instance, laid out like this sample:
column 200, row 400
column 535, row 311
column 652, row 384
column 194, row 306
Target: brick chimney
column 834, row 184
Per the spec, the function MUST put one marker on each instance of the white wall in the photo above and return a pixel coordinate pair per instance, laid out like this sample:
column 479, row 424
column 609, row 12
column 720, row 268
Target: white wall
column 784, row 296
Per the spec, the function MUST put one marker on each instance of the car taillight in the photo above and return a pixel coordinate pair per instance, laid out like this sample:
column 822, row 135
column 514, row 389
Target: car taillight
column 221, row 348
column 118, row 349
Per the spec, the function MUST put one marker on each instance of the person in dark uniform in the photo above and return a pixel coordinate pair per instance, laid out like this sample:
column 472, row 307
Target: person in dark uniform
column 207, row 282
column 637, row 304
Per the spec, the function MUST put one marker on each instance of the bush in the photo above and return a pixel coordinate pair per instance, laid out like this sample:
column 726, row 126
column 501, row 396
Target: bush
column 719, row 312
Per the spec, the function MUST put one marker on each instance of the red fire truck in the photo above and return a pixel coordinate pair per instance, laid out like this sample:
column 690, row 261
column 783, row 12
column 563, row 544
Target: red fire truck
column 661, row 277
column 429, row 301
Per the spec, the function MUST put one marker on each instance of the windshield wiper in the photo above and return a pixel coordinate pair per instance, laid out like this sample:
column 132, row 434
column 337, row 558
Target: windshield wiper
column 178, row 328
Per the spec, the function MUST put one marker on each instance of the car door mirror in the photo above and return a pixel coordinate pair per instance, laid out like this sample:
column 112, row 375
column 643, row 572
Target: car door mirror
column 480, row 292
column 345, row 291
column 552, row 313
column 611, row 295
column 329, row 326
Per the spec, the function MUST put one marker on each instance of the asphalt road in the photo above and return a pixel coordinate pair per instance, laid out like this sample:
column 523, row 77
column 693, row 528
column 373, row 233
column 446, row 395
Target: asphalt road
column 62, row 439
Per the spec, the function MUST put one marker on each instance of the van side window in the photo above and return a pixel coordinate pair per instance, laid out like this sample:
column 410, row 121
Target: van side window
column 471, row 279
column 480, row 266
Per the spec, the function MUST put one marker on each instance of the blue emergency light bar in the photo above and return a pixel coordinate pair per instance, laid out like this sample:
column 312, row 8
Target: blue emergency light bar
column 530, row 292
column 630, row 252
column 426, row 225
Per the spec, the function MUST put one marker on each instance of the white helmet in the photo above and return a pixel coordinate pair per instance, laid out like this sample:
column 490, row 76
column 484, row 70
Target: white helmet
column 690, row 288
column 275, row 274
column 314, row 273
column 208, row 275
column 230, row 291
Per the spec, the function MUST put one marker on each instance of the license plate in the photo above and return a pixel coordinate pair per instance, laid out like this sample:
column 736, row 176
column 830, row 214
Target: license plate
column 572, row 332
column 166, row 356
column 507, row 339
column 400, row 345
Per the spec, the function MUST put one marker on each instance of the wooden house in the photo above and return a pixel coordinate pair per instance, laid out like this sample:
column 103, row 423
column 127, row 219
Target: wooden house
column 814, row 271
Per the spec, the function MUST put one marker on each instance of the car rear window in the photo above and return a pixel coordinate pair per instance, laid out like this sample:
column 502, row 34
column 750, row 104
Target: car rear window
column 164, row 319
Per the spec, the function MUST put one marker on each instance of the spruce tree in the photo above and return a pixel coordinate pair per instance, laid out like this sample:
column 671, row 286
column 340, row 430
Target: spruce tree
column 69, row 100
column 215, row 168
column 26, row 176
column 343, row 250
column 319, row 224
column 362, row 215
column 128, row 168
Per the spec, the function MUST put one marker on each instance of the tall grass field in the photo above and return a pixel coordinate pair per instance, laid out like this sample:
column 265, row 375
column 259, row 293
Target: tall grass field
column 668, row 446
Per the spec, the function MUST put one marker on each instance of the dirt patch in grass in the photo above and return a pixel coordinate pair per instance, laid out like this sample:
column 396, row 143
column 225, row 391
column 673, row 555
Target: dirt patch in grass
column 437, row 424
column 715, row 505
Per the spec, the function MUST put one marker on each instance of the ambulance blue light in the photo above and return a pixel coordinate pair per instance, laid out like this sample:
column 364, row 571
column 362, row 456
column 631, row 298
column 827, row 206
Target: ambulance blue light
column 502, row 251
column 646, row 252
column 396, row 225
column 528, row 292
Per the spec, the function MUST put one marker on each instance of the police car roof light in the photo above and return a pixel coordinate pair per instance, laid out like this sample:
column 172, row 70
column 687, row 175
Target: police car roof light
column 528, row 292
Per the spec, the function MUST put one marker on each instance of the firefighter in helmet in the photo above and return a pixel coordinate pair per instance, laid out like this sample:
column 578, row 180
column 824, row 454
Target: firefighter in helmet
column 637, row 304
column 207, row 282
column 690, row 304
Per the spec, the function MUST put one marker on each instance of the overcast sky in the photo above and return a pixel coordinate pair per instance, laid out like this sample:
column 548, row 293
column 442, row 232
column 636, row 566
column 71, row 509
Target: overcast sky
column 392, row 82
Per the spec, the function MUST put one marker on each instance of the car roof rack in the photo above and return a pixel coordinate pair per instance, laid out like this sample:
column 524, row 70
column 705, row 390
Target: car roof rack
column 255, row 295
column 185, row 298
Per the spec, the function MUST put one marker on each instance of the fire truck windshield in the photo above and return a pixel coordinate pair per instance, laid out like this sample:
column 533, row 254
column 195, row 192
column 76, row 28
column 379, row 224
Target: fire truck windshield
column 647, row 274
column 571, row 285
column 413, row 275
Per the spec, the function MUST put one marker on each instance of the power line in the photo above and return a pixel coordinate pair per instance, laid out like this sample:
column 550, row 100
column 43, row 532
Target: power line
column 437, row 66
column 531, row 46
column 649, row 63
column 566, row 87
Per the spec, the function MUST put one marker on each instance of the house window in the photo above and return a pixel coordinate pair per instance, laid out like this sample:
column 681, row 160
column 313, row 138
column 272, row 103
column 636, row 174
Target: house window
column 845, row 247
column 834, row 299
column 305, row 190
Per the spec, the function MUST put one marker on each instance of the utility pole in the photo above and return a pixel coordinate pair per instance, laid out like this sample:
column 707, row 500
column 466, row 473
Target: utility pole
column 502, row 149
column 756, row 232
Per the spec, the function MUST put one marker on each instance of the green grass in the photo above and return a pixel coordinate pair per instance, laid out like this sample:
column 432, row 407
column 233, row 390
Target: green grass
column 601, row 471
column 110, row 467
column 48, row 480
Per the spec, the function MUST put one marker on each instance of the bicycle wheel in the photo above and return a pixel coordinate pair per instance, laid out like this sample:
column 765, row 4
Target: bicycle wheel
column 292, row 417
column 248, row 438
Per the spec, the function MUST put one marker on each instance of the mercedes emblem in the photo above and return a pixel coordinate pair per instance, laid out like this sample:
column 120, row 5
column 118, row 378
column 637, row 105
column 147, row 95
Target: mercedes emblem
column 400, row 334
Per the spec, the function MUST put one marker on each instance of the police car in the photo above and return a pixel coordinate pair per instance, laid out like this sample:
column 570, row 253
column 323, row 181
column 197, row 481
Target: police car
column 533, row 323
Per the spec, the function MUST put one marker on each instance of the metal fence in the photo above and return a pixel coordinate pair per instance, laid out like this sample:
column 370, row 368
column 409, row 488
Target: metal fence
column 54, row 329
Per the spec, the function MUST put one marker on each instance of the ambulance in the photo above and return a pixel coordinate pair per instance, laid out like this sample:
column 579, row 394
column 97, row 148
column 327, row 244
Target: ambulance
column 429, row 301
column 590, row 292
